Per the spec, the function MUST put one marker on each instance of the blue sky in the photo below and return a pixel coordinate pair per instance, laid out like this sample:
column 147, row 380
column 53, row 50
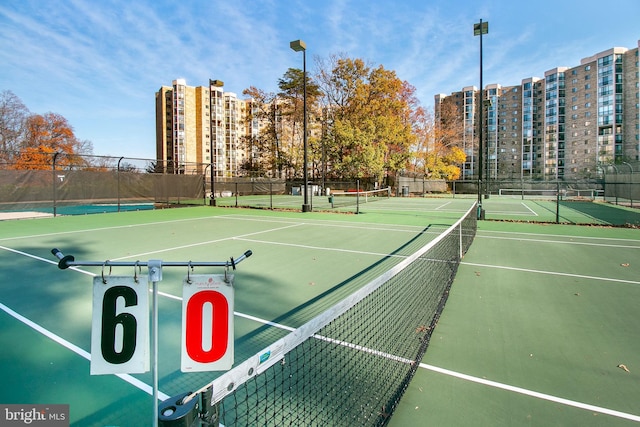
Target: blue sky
column 99, row 63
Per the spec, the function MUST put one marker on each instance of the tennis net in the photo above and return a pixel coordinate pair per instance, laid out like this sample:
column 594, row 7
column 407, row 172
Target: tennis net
column 550, row 194
column 340, row 199
column 351, row 364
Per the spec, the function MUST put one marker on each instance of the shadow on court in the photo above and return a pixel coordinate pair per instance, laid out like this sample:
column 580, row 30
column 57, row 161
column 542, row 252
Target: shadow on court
column 252, row 342
column 604, row 213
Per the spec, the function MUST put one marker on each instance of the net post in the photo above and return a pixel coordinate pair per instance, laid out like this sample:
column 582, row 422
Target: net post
column 209, row 413
column 357, row 196
column 175, row 412
column 460, row 242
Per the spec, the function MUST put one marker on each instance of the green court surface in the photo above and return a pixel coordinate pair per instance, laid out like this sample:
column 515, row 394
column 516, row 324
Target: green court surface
column 569, row 212
column 537, row 322
column 503, row 208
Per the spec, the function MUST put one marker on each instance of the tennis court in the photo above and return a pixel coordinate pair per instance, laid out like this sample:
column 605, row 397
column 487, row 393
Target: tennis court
column 538, row 330
column 521, row 289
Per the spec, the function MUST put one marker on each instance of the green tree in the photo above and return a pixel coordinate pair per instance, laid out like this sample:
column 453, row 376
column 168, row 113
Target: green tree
column 369, row 119
column 291, row 107
column 264, row 148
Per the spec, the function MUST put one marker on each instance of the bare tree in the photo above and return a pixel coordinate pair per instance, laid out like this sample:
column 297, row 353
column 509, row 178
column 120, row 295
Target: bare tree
column 13, row 117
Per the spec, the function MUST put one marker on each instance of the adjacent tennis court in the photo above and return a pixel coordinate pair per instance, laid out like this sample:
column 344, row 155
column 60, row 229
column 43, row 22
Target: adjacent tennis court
column 540, row 329
column 562, row 296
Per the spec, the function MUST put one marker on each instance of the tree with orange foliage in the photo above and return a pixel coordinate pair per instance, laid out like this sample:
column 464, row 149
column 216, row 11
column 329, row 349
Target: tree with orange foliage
column 438, row 152
column 46, row 135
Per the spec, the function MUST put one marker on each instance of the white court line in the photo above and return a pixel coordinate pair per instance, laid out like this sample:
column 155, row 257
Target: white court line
column 244, row 237
column 442, row 206
column 481, row 233
column 531, row 393
column 126, row 377
column 43, row 259
column 564, row 242
column 319, row 248
column 529, row 209
column 332, row 223
column 116, row 227
column 208, row 242
column 552, row 273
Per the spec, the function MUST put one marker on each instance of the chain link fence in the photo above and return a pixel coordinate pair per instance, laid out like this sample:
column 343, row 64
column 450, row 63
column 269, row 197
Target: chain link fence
column 71, row 184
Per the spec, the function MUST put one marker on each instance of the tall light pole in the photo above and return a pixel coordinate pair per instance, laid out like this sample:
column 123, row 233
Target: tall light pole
column 297, row 46
column 213, row 158
column 479, row 30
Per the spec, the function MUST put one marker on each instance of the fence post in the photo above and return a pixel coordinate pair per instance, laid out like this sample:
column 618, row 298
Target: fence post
column 55, row 183
column 118, row 176
column 557, row 201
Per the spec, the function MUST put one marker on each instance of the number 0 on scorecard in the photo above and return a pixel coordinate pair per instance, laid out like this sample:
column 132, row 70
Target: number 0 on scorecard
column 207, row 323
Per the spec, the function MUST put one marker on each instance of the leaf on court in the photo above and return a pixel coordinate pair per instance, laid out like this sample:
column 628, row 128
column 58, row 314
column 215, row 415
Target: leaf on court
column 477, row 273
column 623, row 367
column 384, row 413
column 312, row 283
column 625, row 264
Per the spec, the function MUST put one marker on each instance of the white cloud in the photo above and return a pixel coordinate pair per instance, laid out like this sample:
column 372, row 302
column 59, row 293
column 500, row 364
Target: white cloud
column 100, row 63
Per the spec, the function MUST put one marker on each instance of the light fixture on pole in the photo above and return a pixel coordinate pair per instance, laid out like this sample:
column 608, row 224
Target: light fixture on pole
column 297, row 46
column 478, row 30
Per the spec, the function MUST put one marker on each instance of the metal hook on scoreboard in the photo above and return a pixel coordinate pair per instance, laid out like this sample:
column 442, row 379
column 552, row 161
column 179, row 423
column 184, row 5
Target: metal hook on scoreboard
column 189, row 270
column 136, row 269
column 103, row 265
column 226, row 270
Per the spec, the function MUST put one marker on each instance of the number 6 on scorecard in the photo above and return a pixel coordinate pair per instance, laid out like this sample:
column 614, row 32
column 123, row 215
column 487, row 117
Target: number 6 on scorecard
column 120, row 326
column 207, row 323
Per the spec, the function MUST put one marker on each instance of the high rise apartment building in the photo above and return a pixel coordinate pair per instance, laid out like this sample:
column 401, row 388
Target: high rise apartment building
column 568, row 125
column 197, row 127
